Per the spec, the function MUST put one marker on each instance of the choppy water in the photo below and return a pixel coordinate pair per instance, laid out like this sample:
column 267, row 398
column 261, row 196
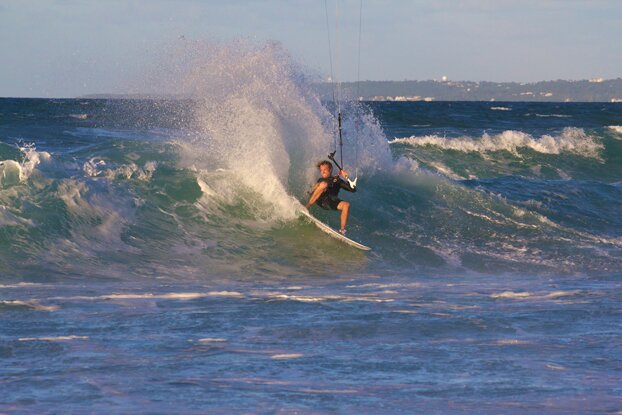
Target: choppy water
column 150, row 260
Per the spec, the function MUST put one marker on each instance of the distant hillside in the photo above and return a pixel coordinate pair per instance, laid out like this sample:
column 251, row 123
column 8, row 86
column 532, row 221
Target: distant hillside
column 596, row 90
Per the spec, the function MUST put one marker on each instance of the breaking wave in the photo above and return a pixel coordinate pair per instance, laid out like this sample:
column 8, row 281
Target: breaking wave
column 571, row 140
column 205, row 186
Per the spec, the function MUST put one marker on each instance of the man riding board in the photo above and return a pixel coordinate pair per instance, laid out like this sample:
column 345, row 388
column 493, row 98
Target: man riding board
column 327, row 188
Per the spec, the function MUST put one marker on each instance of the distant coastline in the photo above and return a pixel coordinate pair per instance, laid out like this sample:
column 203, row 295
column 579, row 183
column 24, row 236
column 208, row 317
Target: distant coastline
column 593, row 90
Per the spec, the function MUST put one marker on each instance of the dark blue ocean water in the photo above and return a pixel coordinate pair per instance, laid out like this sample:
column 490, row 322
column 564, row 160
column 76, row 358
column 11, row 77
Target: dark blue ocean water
column 151, row 259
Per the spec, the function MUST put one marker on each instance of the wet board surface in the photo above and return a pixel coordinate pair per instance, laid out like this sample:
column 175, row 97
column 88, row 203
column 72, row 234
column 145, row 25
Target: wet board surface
column 324, row 227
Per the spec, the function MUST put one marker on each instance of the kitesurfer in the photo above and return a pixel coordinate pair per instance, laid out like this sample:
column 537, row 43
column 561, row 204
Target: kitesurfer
column 326, row 190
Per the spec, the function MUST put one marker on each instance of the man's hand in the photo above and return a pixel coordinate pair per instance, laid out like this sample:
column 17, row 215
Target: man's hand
column 343, row 173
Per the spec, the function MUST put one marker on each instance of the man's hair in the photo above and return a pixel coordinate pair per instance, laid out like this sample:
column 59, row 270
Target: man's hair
column 325, row 162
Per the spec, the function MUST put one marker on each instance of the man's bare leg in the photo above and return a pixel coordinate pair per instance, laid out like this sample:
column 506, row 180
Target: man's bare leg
column 344, row 207
column 317, row 192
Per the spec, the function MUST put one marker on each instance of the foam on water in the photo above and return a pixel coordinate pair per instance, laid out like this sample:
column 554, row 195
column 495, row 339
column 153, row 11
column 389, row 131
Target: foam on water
column 571, row 140
column 616, row 129
column 53, row 339
column 14, row 172
column 535, row 296
column 27, row 304
column 553, row 115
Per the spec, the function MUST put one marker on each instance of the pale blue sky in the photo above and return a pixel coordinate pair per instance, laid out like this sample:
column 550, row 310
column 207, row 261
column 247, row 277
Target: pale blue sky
column 65, row 48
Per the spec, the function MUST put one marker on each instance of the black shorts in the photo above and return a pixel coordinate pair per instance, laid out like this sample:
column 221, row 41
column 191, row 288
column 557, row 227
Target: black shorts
column 328, row 203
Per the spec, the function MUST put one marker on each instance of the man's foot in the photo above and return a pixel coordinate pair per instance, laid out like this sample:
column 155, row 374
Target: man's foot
column 342, row 231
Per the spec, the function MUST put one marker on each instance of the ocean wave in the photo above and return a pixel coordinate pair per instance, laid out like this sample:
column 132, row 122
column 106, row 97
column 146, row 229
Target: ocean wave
column 13, row 172
column 10, row 217
column 501, row 109
column 29, row 304
column 94, row 167
column 571, row 140
column 536, row 296
column 553, row 115
column 616, row 129
column 21, row 285
column 53, row 338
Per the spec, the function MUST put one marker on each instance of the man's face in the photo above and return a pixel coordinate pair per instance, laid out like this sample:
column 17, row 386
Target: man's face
column 325, row 171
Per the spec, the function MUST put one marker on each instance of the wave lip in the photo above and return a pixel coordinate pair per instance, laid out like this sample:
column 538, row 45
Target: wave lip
column 13, row 172
column 571, row 140
column 616, row 129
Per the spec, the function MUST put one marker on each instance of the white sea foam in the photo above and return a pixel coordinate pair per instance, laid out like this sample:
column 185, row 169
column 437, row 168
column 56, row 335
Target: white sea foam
column 387, row 285
column 53, row 339
column 285, row 356
column 571, row 140
column 329, row 391
column 13, row 172
column 10, row 173
column 31, row 304
column 553, row 115
column 185, row 296
column 22, row 284
column 91, row 167
column 510, row 342
column 616, row 129
column 211, row 340
column 152, row 296
column 95, row 167
column 501, row 109
column 535, row 296
column 323, row 298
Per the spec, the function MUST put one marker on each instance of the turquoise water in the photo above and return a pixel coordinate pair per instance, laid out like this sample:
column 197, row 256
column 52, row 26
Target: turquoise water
column 150, row 260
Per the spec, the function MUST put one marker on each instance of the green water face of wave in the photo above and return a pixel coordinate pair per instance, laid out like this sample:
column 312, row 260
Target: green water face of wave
column 572, row 154
column 129, row 209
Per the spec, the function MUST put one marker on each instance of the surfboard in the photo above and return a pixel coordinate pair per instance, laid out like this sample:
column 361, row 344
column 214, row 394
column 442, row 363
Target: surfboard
column 324, row 227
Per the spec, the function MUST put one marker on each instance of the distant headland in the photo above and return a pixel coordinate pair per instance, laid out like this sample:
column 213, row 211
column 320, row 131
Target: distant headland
column 592, row 90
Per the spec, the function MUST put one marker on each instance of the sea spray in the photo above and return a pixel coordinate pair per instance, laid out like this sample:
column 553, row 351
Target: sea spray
column 257, row 116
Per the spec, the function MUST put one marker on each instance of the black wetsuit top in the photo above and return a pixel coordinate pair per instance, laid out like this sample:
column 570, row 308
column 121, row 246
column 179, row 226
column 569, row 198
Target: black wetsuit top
column 329, row 200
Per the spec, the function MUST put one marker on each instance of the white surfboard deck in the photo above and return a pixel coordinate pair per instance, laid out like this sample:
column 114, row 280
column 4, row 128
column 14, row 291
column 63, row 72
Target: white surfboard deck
column 324, row 227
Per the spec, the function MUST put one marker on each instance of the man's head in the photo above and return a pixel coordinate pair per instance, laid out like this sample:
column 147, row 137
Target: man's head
column 326, row 168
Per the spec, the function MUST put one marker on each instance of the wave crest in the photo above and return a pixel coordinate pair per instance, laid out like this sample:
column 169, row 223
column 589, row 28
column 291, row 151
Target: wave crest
column 13, row 172
column 571, row 140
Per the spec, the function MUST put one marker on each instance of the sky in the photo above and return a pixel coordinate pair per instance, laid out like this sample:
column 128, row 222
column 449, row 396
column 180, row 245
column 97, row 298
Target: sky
column 67, row 48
